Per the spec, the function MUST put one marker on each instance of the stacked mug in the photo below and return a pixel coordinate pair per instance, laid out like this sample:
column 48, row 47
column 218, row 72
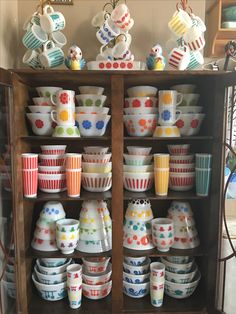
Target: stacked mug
column 168, row 113
column 43, row 39
column 182, row 168
column 65, row 114
column 136, row 276
column 138, row 170
column 30, row 174
column 73, row 174
column 161, row 173
column 52, row 176
column 96, row 277
column 163, row 233
column 157, row 283
column 40, row 113
column 67, row 235
column 91, row 117
column 203, row 173
column 74, row 285
column 96, row 175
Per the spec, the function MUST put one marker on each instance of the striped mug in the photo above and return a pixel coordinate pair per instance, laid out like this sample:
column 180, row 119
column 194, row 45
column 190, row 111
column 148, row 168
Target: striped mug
column 34, row 38
column 51, row 56
column 31, row 58
column 179, row 58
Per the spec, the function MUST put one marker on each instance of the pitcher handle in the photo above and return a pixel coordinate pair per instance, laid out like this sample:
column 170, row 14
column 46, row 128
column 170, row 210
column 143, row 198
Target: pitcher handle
column 52, row 117
column 179, row 98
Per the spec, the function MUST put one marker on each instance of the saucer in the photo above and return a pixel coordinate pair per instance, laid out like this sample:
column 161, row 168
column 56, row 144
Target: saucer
column 166, row 131
column 66, row 131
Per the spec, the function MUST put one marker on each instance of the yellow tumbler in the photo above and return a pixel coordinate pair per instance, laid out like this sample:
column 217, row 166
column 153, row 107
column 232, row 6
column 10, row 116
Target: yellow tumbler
column 161, row 176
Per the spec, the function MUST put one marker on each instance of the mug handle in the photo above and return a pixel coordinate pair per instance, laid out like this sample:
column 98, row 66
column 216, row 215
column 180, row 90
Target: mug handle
column 52, row 117
column 179, row 98
column 178, row 114
column 45, row 10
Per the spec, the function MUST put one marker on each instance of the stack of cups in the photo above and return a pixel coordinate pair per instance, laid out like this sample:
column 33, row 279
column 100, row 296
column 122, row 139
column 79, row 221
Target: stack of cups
column 74, row 285
column 163, row 233
column 73, row 174
column 30, row 174
column 157, row 283
column 161, row 173
column 203, row 173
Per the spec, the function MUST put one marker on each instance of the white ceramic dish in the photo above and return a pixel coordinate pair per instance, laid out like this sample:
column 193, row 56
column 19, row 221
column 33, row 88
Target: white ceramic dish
column 190, row 124
column 138, row 270
column 140, row 111
column 139, row 150
column 96, row 168
column 190, row 109
column 44, row 245
column 52, row 170
column 140, row 102
column 40, row 109
column 179, row 149
column 52, row 211
column 178, row 259
column 92, row 124
column 181, row 278
column 138, row 182
column 181, row 159
column 137, row 160
column 97, row 158
column 137, row 279
column 10, row 288
column 41, row 123
column 88, row 100
column 52, row 262
column 184, row 88
column 47, row 91
column 92, row 234
column 66, row 131
column 135, row 261
column 94, row 246
column 52, row 160
column 189, row 100
column 142, row 91
column 95, row 265
column 53, row 149
column 94, row 90
column 139, row 209
column 136, row 290
column 96, row 182
column 97, row 279
column 42, row 101
column 140, row 125
column 53, row 270
column 120, row 65
column 96, row 150
column 138, row 169
column 136, row 242
column 52, row 183
column 178, row 268
column 50, row 279
column 181, row 168
column 184, row 181
column 92, row 110
column 96, row 292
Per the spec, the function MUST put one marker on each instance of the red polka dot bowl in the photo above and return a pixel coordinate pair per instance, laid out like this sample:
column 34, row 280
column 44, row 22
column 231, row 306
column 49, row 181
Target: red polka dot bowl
column 140, row 102
column 141, row 111
column 140, row 125
column 189, row 124
column 41, row 123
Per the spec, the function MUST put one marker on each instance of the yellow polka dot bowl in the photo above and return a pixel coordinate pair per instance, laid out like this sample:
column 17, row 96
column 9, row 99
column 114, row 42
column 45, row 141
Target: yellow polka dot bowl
column 166, row 131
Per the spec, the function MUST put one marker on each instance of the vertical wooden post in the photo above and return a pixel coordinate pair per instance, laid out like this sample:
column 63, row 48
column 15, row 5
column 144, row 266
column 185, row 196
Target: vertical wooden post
column 117, row 99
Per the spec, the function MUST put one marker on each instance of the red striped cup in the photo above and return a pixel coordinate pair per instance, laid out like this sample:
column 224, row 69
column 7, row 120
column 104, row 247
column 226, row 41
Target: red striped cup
column 179, row 58
column 73, row 182
column 30, row 182
column 29, row 161
column 194, row 39
column 73, row 161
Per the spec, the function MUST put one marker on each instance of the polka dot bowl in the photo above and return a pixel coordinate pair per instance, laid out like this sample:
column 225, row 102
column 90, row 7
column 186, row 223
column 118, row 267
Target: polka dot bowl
column 41, row 123
column 66, row 131
column 89, row 100
column 52, row 211
column 92, row 124
column 140, row 125
column 140, row 102
column 190, row 124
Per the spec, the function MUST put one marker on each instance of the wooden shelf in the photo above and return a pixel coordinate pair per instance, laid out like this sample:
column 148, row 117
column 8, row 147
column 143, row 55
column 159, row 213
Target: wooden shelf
column 32, row 138
column 172, row 195
column 198, row 251
column 167, row 139
column 77, row 254
column 85, row 195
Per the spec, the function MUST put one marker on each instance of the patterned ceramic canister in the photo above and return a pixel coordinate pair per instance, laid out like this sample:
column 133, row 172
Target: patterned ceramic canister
column 52, row 21
column 34, row 38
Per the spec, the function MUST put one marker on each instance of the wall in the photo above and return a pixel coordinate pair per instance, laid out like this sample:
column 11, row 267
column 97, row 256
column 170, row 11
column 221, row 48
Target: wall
column 151, row 18
column 9, row 49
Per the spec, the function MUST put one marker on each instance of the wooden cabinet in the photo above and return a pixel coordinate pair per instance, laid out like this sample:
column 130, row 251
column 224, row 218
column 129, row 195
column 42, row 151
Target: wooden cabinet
column 207, row 210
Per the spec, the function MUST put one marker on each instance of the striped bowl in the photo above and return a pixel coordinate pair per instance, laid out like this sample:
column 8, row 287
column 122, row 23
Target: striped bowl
column 138, row 182
column 182, row 181
column 96, row 182
column 52, row 183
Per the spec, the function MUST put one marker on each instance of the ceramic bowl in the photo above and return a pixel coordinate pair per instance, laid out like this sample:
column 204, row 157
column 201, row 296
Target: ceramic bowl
column 66, row 131
column 181, row 291
column 10, row 288
column 52, row 210
column 41, row 123
column 136, row 279
column 95, row 265
column 52, row 262
column 50, row 292
column 190, row 109
column 142, row 91
column 94, row 234
column 135, row 261
column 96, row 150
column 92, row 110
column 178, row 168
column 139, row 209
column 136, row 290
column 95, row 209
column 137, row 227
column 178, row 268
column 42, row 101
column 181, row 159
column 166, row 131
column 98, row 246
column 9, row 277
column 52, row 270
column 137, row 242
column 53, row 149
column 52, row 183
column 142, row 111
column 190, row 124
column 139, row 150
column 189, row 100
column 178, row 259
column 180, row 208
column 185, row 231
column 97, row 279
column 96, row 292
column 137, row 169
column 140, row 102
column 137, row 160
column 94, row 90
column 181, row 278
column 97, row 158
column 88, row 100
column 52, row 160
column 140, row 125
column 44, row 245
column 184, row 88
column 138, row 182
column 40, row 109
column 52, row 170
column 92, row 124
column 91, row 167
column 50, row 279
column 184, row 181
column 138, row 270
column 186, row 243
column 44, row 233
column 10, row 268
column 179, row 149
column 47, row 91
column 96, row 182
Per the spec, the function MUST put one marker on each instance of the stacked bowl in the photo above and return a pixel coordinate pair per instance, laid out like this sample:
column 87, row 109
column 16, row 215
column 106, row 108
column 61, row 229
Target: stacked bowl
column 96, row 175
column 141, row 111
column 91, row 117
column 182, row 168
column 96, row 277
column 49, row 278
column 138, row 171
column 137, row 225
column 185, row 231
column 45, row 231
column 181, row 276
column 136, row 276
column 52, row 176
column 95, row 227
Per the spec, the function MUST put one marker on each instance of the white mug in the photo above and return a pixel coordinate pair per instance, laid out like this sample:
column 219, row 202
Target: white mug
column 180, row 22
column 64, row 98
column 168, row 115
column 194, row 39
column 107, row 32
column 121, row 16
column 52, row 21
column 59, row 39
column 105, row 54
column 179, row 58
column 99, row 18
column 51, row 56
column 121, row 51
column 31, row 20
column 31, row 58
column 64, row 116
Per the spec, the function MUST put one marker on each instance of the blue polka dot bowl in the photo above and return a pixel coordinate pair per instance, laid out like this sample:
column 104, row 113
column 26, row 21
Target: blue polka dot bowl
column 136, row 278
column 92, row 124
column 136, row 290
column 53, row 211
